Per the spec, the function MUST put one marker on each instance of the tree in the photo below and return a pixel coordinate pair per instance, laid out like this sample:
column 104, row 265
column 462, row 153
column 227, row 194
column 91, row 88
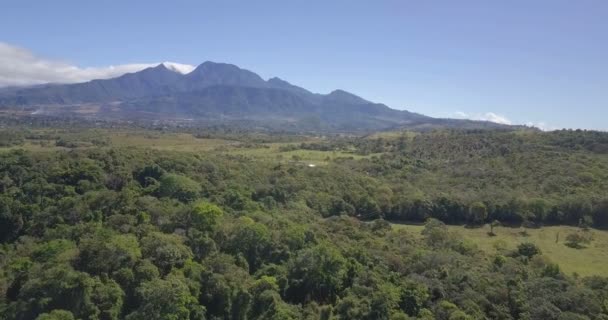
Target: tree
column 493, row 225
column 11, row 222
column 145, row 270
column 56, row 315
column 436, row 233
column 179, row 187
column 413, row 298
column 449, row 311
column 204, row 216
column 383, row 302
column 528, row 249
column 108, row 297
column 265, row 293
column 148, row 174
column 60, row 250
column 478, row 213
column 216, row 294
column 551, row 270
column 538, row 208
column 367, row 208
column 600, row 214
column 269, row 305
column 571, row 316
column 166, row 299
column 57, row 287
column 316, row 274
column 352, row 307
column 105, row 253
column 578, row 240
column 251, row 239
column 165, row 251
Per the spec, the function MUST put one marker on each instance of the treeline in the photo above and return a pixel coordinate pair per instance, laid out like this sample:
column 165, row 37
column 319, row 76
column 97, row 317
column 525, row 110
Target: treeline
column 574, row 211
column 577, row 212
column 478, row 141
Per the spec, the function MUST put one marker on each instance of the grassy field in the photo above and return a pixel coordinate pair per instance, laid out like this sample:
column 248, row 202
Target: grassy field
column 260, row 151
column 592, row 260
column 272, row 151
column 409, row 135
column 184, row 142
column 166, row 142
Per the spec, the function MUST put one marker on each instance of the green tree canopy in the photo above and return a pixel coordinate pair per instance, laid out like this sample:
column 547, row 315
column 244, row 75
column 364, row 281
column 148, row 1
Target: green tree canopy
column 179, row 187
column 316, row 274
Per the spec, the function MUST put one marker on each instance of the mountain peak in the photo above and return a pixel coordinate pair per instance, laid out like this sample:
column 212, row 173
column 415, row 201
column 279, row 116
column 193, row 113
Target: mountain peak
column 279, row 83
column 208, row 66
column 177, row 67
column 161, row 73
column 342, row 96
column 161, row 67
column 213, row 73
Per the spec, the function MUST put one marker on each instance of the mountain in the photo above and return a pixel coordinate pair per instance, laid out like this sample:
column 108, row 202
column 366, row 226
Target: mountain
column 218, row 92
column 147, row 82
column 213, row 74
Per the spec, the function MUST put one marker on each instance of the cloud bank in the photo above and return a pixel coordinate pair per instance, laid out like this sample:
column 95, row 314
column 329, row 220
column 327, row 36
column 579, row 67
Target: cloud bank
column 488, row 116
column 542, row 126
column 20, row 67
column 497, row 118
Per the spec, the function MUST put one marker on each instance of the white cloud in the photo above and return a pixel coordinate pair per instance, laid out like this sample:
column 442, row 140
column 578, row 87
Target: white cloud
column 542, row 126
column 488, row 116
column 179, row 67
column 493, row 117
column 497, row 118
column 20, row 66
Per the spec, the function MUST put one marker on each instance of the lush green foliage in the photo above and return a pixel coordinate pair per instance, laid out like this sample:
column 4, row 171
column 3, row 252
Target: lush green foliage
column 135, row 233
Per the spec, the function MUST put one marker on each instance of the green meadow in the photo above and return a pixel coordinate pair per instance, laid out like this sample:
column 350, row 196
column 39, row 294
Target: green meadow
column 588, row 261
column 183, row 142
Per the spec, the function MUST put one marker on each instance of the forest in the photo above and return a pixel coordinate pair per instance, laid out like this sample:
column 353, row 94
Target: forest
column 189, row 223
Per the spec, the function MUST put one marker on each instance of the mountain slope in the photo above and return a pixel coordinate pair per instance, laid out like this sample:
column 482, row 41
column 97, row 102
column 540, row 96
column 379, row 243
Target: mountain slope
column 148, row 82
column 218, row 91
column 211, row 73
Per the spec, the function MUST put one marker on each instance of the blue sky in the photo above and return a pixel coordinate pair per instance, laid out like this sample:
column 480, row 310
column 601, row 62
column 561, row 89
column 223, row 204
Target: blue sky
column 543, row 61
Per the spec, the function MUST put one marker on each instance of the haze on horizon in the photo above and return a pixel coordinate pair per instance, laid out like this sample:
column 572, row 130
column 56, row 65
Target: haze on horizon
column 541, row 63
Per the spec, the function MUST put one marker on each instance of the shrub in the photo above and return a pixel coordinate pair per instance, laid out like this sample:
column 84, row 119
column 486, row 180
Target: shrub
column 528, row 249
column 578, row 240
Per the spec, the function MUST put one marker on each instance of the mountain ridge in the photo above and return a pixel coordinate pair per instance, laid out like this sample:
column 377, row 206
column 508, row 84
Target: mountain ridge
column 219, row 91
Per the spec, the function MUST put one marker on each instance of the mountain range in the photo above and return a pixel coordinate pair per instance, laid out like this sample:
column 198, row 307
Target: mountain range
column 218, row 92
